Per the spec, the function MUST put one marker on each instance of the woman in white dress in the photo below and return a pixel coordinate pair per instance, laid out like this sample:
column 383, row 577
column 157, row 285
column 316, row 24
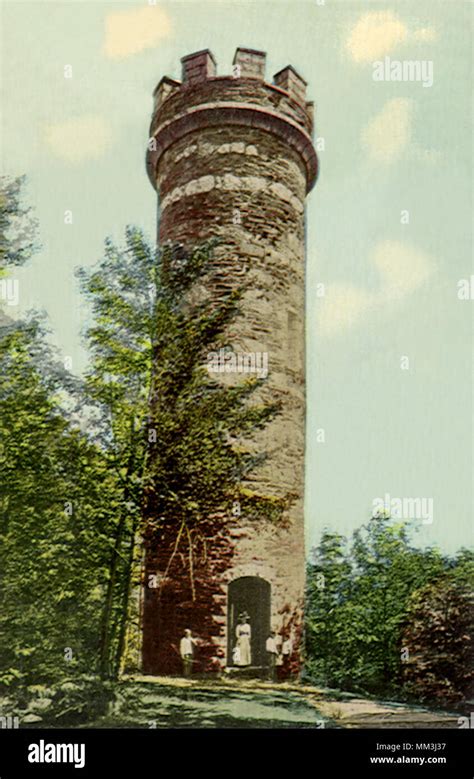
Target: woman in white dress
column 243, row 634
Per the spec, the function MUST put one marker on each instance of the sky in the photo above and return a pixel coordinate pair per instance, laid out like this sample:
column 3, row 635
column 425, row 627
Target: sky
column 389, row 229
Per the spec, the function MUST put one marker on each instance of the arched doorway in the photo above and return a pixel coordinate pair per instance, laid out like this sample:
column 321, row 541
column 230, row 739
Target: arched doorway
column 253, row 595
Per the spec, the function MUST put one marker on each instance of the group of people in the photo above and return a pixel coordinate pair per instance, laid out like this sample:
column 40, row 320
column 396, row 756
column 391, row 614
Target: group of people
column 278, row 648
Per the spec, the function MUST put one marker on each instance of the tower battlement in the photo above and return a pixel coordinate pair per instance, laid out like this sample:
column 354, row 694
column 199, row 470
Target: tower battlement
column 245, row 88
column 247, row 63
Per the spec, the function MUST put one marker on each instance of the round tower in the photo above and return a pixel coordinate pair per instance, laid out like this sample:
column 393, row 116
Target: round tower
column 232, row 157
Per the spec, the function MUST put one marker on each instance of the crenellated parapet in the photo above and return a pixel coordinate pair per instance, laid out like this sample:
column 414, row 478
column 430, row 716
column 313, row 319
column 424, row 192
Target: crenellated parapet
column 204, row 99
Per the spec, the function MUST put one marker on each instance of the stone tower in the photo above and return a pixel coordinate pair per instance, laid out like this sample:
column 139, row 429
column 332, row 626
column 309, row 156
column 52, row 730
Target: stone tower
column 232, row 156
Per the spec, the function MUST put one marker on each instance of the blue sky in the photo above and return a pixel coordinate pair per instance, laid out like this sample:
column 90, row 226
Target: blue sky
column 389, row 341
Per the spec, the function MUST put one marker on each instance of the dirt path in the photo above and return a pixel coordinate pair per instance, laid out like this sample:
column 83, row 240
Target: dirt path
column 173, row 702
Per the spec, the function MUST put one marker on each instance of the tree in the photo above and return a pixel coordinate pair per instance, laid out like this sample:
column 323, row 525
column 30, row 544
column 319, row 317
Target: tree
column 328, row 582
column 56, row 496
column 117, row 386
column 53, row 490
column 387, row 570
column 438, row 631
column 17, row 224
column 354, row 622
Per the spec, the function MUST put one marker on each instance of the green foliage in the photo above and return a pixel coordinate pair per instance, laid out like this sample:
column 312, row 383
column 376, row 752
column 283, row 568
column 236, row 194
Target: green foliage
column 53, row 489
column 438, row 632
column 17, row 225
column 56, row 496
column 121, row 291
column 52, row 514
column 357, row 602
column 328, row 588
column 81, row 699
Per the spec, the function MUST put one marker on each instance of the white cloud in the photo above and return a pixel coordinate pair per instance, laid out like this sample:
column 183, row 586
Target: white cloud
column 80, row 138
column 426, row 35
column 129, row 32
column 402, row 270
column 388, row 133
column 341, row 308
column 376, row 33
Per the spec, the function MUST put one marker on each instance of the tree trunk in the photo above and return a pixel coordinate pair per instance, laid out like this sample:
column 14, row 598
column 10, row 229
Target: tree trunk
column 125, row 601
column 109, row 600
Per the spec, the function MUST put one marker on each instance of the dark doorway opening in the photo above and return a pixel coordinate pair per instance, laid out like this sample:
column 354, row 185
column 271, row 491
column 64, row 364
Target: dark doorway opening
column 249, row 594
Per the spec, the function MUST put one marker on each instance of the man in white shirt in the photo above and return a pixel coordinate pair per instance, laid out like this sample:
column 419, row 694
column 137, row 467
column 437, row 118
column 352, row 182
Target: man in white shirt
column 287, row 647
column 186, row 650
column 272, row 654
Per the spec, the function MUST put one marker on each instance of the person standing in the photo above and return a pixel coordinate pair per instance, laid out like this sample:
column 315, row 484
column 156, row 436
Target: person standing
column 286, row 651
column 272, row 655
column 186, row 650
column 244, row 633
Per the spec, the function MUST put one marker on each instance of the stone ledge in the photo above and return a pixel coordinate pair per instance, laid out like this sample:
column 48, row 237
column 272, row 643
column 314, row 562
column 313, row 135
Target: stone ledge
column 216, row 114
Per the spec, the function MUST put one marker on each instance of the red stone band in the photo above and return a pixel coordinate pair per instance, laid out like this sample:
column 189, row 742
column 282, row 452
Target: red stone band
column 231, row 113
